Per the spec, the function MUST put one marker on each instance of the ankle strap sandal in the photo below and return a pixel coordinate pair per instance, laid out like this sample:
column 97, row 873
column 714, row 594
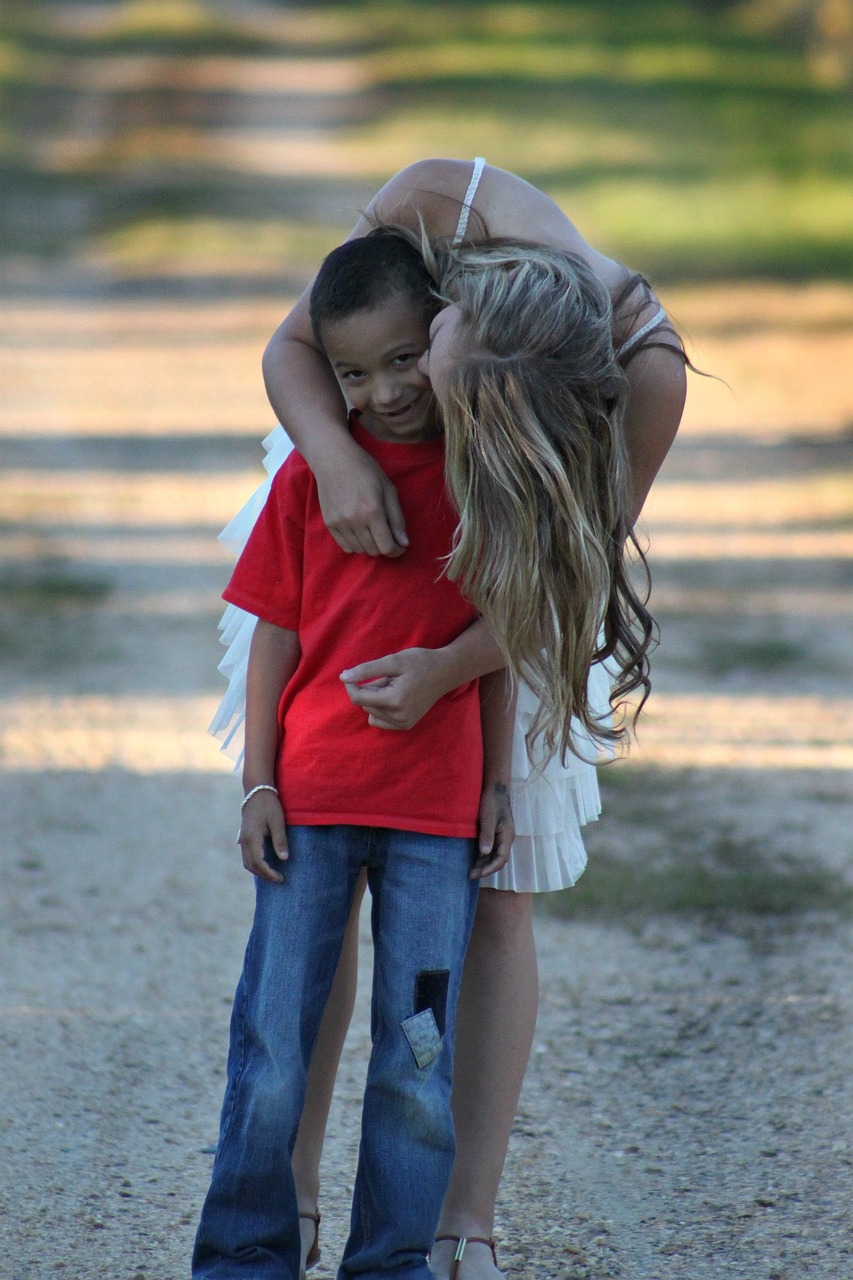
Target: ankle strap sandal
column 314, row 1252
column 461, row 1243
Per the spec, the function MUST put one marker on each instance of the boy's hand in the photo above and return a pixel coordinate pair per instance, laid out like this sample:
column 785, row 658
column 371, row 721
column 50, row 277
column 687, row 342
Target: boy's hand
column 398, row 690
column 497, row 831
column 263, row 836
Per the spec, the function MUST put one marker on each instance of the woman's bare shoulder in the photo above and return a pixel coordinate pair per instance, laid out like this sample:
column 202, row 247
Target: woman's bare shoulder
column 503, row 204
column 638, row 314
column 428, row 191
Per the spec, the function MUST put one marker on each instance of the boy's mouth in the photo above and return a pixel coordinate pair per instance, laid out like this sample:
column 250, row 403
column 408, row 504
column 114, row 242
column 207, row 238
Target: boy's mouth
column 394, row 415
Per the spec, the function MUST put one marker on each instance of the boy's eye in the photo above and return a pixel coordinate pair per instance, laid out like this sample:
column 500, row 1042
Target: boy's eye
column 352, row 375
column 407, row 358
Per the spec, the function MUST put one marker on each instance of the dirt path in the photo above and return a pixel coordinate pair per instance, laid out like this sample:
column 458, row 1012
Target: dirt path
column 687, row 1110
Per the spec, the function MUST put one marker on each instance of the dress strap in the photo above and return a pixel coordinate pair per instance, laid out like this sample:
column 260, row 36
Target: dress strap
column 657, row 319
column 462, row 224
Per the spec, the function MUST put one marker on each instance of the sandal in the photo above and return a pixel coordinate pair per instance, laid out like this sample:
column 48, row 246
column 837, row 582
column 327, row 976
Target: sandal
column 314, row 1252
column 461, row 1242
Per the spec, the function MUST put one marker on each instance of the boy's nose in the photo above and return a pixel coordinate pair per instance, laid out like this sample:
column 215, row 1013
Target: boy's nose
column 387, row 391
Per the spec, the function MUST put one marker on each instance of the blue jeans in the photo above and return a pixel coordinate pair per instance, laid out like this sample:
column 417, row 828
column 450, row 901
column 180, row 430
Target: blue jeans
column 422, row 912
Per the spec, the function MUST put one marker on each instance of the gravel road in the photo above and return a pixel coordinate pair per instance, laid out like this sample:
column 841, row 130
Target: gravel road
column 687, row 1111
column 687, row 1114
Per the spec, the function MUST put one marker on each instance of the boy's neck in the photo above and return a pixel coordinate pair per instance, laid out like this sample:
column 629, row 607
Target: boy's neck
column 430, row 431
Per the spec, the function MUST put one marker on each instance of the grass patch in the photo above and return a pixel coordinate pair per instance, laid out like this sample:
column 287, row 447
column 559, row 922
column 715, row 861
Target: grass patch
column 612, row 888
column 660, row 853
column 50, row 622
column 229, row 243
column 823, row 795
column 52, row 589
column 694, row 142
column 724, row 656
column 130, row 26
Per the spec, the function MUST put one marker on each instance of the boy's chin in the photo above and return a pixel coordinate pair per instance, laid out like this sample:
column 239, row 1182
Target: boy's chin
column 422, row 427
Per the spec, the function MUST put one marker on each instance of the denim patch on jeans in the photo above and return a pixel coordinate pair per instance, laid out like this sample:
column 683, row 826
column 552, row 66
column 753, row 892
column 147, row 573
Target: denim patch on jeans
column 423, row 1036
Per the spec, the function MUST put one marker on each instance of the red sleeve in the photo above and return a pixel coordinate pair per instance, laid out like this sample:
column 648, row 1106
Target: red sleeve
column 267, row 579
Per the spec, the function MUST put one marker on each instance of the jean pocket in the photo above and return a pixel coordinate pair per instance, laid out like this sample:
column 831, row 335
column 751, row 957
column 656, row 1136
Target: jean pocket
column 423, row 1035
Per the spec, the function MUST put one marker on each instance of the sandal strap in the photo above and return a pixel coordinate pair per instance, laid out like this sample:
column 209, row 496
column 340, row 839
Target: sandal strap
column 461, row 1242
column 314, row 1252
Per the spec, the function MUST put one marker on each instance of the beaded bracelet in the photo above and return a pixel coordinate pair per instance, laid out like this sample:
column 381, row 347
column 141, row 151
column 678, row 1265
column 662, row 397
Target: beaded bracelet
column 262, row 786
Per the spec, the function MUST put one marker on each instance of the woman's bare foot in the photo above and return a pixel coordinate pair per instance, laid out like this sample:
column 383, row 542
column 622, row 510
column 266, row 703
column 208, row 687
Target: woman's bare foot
column 477, row 1261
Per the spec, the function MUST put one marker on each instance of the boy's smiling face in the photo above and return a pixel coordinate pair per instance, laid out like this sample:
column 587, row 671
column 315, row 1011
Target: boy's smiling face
column 375, row 355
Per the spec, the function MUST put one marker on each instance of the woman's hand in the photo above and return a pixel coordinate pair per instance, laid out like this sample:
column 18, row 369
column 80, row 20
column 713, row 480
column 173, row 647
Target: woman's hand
column 360, row 505
column 400, row 688
column 263, row 837
column 496, row 831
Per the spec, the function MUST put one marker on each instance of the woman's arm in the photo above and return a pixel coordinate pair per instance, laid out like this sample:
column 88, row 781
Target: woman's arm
column 273, row 658
column 496, row 827
column 358, row 502
column 658, row 387
column 397, row 690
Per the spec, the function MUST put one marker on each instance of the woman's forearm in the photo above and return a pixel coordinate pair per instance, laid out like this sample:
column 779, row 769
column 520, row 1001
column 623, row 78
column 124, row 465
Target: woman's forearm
column 497, row 713
column 472, row 654
column 359, row 503
column 396, row 691
column 304, row 392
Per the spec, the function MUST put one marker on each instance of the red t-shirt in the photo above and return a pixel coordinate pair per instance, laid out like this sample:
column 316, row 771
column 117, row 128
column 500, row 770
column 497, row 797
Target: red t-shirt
column 333, row 767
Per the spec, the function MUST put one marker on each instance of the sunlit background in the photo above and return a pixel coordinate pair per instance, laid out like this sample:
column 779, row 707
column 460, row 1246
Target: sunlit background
column 171, row 174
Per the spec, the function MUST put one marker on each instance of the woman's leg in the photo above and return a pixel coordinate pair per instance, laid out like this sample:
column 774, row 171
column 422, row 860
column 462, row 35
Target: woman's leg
column 321, row 1076
column 495, row 1021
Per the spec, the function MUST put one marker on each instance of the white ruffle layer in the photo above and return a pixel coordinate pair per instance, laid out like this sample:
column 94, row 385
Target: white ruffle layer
column 550, row 803
column 236, row 627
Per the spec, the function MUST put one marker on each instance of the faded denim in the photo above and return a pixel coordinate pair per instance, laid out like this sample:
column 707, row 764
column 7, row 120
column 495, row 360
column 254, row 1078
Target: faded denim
column 422, row 911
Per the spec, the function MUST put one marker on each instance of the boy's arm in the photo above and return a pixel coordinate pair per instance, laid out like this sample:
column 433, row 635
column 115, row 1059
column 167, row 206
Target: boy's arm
column 497, row 830
column 273, row 658
column 397, row 690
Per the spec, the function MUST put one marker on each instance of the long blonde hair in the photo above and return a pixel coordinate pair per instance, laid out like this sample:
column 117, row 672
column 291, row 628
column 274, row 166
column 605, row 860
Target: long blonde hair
column 536, row 466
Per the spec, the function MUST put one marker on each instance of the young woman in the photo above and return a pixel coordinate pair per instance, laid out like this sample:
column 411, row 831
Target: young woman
column 447, row 200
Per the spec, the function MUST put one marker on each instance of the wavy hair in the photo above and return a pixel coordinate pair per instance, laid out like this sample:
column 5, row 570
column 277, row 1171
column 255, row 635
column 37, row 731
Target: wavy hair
column 536, row 466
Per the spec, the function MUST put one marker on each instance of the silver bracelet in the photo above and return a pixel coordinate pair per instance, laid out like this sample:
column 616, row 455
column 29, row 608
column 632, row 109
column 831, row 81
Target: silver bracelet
column 262, row 786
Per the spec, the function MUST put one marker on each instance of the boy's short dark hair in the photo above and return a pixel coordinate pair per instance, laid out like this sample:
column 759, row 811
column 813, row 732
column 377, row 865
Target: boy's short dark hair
column 361, row 273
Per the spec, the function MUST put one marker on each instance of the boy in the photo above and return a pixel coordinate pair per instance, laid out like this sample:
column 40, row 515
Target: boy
column 408, row 805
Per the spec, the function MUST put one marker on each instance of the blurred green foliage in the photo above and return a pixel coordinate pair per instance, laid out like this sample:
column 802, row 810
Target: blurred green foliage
column 693, row 140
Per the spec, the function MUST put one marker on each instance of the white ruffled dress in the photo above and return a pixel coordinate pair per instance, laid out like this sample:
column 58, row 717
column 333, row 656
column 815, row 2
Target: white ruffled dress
column 550, row 804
